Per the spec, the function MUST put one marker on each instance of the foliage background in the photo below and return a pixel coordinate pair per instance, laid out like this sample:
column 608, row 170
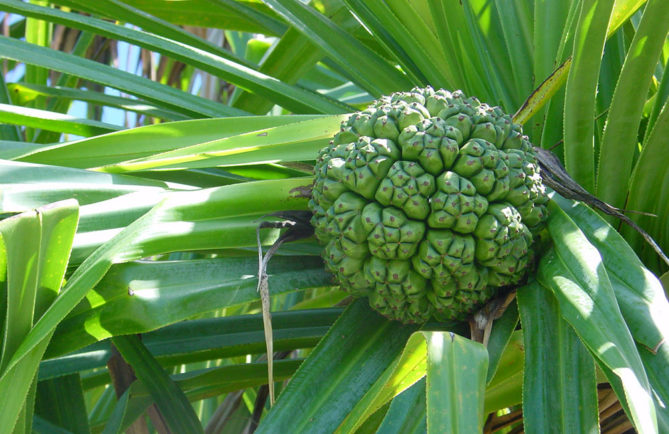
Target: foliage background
column 225, row 106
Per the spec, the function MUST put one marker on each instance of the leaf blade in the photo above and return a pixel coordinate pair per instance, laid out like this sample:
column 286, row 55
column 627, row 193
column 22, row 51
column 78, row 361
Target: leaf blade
column 159, row 94
column 356, row 351
column 578, row 279
column 456, row 374
column 625, row 112
column 559, row 390
column 170, row 399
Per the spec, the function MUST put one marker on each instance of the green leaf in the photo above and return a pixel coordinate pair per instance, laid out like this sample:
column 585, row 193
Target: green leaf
column 10, row 149
column 216, row 177
column 287, row 60
column 38, row 32
column 656, row 367
column 7, row 132
column 192, row 212
column 368, row 69
column 456, row 374
column 487, row 31
column 22, row 93
column 405, row 36
column 165, row 230
column 660, row 97
column 407, row 412
column 295, row 141
column 201, row 384
column 155, row 139
column 61, row 402
column 138, row 297
column 263, row 20
column 20, row 248
column 402, row 373
column 542, row 94
column 502, row 330
column 34, row 251
column 81, row 47
column 160, row 94
column 617, row 386
column 122, row 11
column 436, row 353
column 199, row 340
column 201, row 13
column 574, row 272
column 210, row 382
column 625, row 113
column 612, row 63
column 25, row 419
column 291, row 97
column 579, row 108
column 546, row 59
column 470, row 73
column 515, row 22
column 639, row 293
column 101, row 221
column 559, row 390
column 505, row 388
column 52, row 121
column 622, row 11
column 553, row 20
column 648, row 190
column 26, row 186
column 170, row 399
column 355, row 352
column 43, row 426
column 115, row 423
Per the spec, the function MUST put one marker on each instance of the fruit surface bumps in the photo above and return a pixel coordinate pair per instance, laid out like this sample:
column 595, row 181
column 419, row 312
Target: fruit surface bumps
column 427, row 202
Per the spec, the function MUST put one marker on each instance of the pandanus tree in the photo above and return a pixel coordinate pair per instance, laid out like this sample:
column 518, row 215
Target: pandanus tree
column 462, row 206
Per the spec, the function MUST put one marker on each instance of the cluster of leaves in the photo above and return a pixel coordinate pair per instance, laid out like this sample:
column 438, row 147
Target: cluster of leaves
column 150, row 230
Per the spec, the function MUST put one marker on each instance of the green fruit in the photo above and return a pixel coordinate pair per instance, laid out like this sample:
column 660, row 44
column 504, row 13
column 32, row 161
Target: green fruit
column 427, row 202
